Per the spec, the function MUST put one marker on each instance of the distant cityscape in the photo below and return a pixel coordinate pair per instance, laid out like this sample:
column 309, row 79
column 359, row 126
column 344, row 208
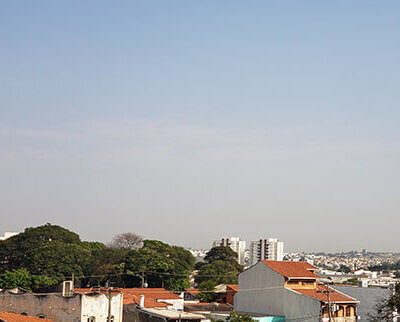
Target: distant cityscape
column 231, row 275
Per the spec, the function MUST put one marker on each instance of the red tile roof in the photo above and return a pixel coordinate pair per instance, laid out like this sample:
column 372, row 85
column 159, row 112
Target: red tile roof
column 151, row 296
column 292, row 269
column 320, row 294
column 12, row 317
column 232, row 287
column 192, row 291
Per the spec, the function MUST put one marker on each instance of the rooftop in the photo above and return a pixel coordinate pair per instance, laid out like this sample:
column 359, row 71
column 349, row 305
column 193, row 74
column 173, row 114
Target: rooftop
column 292, row 269
column 151, row 296
column 12, row 317
column 321, row 294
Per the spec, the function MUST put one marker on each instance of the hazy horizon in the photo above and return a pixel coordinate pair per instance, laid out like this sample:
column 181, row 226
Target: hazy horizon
column 188, row 121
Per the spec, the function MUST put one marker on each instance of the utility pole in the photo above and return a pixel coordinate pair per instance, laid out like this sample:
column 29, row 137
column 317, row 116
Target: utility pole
column 109, row 304
column 142, row 277
column 328, row 292
column 109, row 293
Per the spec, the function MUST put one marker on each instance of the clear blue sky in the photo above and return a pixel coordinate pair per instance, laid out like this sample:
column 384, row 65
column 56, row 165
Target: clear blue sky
column 188, row 120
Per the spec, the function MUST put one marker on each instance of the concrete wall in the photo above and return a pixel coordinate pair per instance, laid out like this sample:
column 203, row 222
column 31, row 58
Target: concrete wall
column 261, row 292
column 97, row 306
column 259, row 276
column 60, row 309
column 133, row 314
column 53, row 306
column 369, row 297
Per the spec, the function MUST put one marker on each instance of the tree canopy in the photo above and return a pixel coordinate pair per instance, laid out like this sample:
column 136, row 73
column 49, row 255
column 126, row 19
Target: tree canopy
column 22, row 278
column 220, row 267
column 386, row 308
column 161, row 265
column 126, row 241
column 52, row 253
column 221, row 253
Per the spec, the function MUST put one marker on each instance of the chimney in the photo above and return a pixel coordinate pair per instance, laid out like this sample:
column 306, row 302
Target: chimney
column 68, row 288
column 141, row 301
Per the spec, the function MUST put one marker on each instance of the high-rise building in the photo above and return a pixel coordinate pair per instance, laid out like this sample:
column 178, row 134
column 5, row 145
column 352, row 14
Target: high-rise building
column 266, row 249
column 234, row 243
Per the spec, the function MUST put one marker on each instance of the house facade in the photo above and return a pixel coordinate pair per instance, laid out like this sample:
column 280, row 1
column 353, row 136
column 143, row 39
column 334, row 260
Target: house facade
column 78, row 305
column 291, row 289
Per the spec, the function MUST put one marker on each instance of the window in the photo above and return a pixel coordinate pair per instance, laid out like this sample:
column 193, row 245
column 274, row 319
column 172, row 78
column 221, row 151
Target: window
column 308, row 282
column 24, row 313
column 41, row 316
column 91, row 319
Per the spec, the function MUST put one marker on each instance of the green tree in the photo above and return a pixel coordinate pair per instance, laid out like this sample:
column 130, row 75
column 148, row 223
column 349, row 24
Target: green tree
column 219, row 272
column 239, row 317
column 17, row 251
column 386, row 308
column 221, row 253
column 221, row 267
column 352, row 281
column 22, row 278
column 162, row 266
column 207, row 291
column 61, row 260
column 94, row 246
column 47, row 250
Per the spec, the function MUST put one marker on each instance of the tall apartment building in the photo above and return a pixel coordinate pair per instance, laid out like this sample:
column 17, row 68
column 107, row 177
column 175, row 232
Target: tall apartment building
column 266, row 249
column 233, row 243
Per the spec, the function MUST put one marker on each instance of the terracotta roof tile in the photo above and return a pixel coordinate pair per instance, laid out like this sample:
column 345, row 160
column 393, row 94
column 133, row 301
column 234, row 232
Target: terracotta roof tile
column 151, row 296
column 318, row 294
column 233, row 287
column 292, row 269
column 158, row 293
column 12, row 317
column 192, row 291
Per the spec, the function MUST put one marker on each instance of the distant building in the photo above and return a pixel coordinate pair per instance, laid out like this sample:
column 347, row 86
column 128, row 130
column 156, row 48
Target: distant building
column 8, row 235
column 233, row 243
column 291, row 290
column 266, row 249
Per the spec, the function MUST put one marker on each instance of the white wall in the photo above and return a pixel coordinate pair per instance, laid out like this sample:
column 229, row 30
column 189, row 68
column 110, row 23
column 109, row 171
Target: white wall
column 97, row 306
column 175, row 304
column 261, row 291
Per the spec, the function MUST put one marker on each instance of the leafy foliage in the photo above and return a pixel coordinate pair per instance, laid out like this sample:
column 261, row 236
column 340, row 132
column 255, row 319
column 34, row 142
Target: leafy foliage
column 385, row 267
column 52, row 253
column 352, row 281
column 18, row 251
column 221, row 267
column 93, row 245
column 60, row 260
column 221, row 253
column 162, row 265
column 386, row 308
column 207, row 294
column 22, row 278
column 239, row 317
column 220, row 272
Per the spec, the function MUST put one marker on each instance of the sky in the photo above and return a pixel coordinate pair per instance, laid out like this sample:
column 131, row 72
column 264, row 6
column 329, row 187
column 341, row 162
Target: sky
column 187, row 121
